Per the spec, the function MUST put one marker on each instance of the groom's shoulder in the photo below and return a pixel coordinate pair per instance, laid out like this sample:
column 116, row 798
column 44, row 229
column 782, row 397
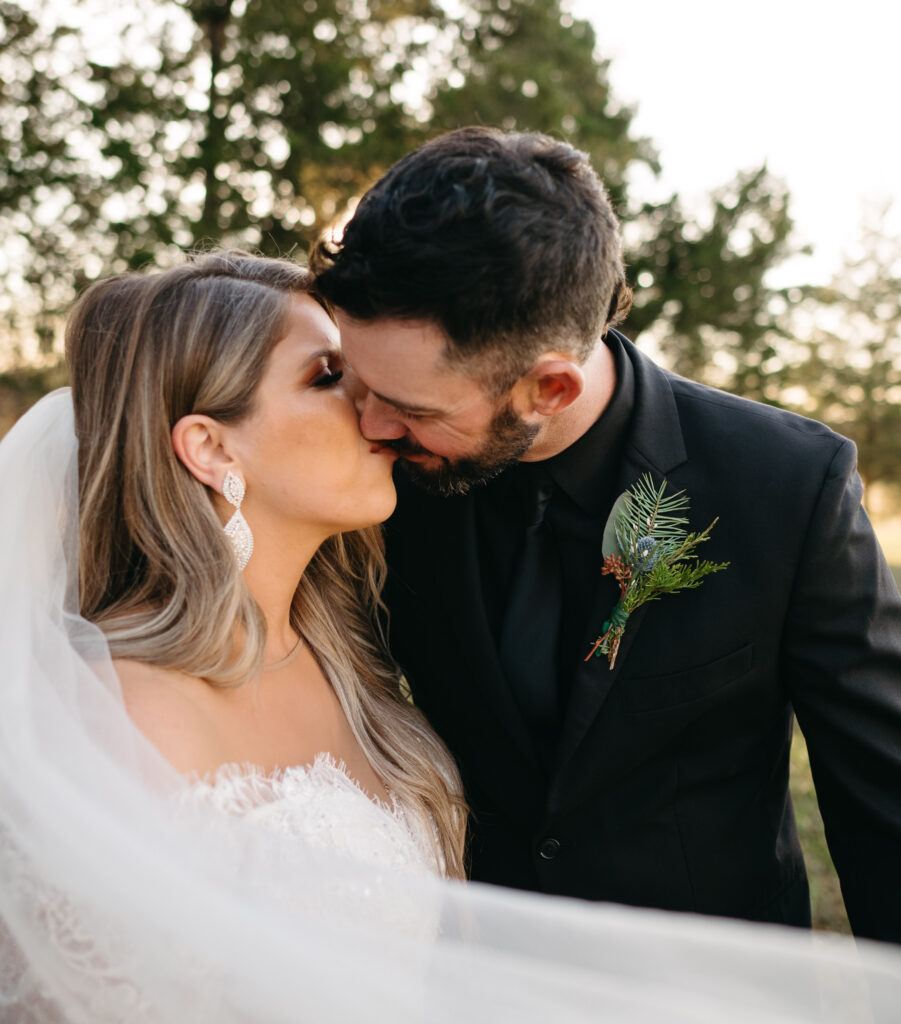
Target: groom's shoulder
column 743, row 425
column 708, row 416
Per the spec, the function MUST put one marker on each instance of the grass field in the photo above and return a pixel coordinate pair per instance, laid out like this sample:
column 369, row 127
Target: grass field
column 889, row 533
column 825, row 895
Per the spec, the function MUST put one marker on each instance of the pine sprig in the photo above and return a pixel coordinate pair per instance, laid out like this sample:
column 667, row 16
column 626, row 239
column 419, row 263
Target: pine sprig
column 649, row 552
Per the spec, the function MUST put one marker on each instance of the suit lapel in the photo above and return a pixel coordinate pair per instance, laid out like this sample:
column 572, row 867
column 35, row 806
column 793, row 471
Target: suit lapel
column 460, row 585
column 655, row 446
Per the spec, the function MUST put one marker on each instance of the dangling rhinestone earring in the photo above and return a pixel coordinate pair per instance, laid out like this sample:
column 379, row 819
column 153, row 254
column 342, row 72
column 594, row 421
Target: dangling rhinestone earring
column 236, row 529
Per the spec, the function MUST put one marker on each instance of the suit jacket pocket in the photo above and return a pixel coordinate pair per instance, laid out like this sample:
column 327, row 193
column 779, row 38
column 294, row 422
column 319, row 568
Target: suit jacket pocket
column 654, row 693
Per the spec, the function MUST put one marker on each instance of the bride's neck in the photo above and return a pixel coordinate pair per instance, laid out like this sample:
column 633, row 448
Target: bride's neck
column 272, row 575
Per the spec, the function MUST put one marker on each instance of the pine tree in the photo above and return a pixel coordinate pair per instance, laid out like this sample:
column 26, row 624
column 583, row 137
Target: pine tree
column 179, row 123
column 850, row 376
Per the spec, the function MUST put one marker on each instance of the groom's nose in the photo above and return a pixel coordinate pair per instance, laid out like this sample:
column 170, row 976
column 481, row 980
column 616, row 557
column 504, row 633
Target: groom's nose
column 378, row 420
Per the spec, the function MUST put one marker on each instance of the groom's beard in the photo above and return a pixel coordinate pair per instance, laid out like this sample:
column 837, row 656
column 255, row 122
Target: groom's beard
column 509, row 438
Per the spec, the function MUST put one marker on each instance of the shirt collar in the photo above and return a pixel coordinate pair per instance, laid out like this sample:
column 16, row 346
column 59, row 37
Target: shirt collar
column 583, row 469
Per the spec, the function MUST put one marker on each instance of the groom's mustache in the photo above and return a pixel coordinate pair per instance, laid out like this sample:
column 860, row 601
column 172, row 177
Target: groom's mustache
column 404, row 446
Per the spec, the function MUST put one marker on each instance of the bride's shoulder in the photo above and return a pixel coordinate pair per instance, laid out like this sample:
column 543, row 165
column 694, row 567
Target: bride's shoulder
column 172, row 710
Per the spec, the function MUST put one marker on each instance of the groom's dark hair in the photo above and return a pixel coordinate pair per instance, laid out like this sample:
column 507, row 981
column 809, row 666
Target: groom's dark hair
column 507, row 241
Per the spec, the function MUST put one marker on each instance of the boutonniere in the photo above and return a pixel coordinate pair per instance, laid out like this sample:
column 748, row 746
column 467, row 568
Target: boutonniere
column 650, row 553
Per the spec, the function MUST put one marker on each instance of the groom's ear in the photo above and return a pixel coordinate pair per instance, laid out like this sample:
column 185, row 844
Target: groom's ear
column 551, row 386
column 199, row 444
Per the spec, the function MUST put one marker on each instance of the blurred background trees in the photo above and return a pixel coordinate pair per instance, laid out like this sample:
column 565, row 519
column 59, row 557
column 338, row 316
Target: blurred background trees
column 850, row 373
column 128, row 135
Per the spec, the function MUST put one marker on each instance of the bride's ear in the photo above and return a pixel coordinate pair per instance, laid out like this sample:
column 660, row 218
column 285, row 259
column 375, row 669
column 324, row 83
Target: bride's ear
column 198, row 442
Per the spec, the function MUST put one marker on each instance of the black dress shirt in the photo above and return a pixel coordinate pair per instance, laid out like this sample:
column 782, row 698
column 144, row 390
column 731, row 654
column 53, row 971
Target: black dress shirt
column 585, row 475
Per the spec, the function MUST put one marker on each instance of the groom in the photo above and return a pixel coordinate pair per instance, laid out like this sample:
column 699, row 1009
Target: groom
column 477, row 287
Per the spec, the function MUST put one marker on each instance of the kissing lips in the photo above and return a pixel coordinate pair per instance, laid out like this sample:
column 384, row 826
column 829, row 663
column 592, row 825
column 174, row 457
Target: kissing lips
column 402, row 447
column 383, row 449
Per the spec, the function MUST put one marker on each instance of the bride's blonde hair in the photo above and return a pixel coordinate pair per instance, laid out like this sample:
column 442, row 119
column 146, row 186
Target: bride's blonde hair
column 156, row 572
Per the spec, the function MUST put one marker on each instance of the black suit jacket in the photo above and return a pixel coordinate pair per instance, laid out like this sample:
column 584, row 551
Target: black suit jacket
column 670, row 782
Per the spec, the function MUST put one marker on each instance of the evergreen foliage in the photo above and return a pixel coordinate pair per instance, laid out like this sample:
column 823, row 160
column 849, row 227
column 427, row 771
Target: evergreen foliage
column 701, row 285
column 850, row 373
column 129, row 134
column 172, row 123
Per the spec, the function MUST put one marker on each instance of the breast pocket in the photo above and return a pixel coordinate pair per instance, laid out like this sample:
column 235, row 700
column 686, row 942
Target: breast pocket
column 654, row 693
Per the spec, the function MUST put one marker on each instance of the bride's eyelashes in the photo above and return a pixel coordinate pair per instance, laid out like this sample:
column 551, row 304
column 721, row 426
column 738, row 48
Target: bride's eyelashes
column 327, row 374
column 327, row 379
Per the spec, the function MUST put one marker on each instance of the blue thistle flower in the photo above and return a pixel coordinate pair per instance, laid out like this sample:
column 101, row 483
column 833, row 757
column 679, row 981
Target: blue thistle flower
column 646, row 555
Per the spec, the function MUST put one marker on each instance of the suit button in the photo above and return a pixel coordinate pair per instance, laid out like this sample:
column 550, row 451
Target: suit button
column 548, row 849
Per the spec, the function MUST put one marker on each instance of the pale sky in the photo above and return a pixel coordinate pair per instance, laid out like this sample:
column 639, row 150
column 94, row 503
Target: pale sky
column 814, row 88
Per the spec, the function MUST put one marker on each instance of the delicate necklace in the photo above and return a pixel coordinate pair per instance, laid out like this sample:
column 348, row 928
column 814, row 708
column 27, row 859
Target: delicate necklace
column 288, row 658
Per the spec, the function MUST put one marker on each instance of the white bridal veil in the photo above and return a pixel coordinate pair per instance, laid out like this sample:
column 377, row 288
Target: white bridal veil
column 120, row 902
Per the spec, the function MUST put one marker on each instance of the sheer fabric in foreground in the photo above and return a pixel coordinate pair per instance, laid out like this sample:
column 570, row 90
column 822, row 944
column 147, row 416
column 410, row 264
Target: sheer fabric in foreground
column 125, row 898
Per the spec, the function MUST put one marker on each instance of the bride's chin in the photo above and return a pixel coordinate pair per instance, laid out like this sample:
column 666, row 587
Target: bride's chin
column 389, row 505
column 376, row 505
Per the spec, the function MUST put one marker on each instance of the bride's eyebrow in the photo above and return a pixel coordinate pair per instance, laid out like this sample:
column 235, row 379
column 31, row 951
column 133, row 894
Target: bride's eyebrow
column 327, row 352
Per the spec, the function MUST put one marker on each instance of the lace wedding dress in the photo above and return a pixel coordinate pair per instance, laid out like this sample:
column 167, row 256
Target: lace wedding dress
column 129, row 894
column 320, row 806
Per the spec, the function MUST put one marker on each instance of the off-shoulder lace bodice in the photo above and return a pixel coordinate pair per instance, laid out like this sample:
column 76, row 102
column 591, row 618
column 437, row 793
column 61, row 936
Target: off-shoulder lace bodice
column 317, row 807
column 321, row 806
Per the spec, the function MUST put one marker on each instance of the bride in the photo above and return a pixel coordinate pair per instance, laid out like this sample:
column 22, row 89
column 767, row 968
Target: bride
column 215, row 803
column 213, row 396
